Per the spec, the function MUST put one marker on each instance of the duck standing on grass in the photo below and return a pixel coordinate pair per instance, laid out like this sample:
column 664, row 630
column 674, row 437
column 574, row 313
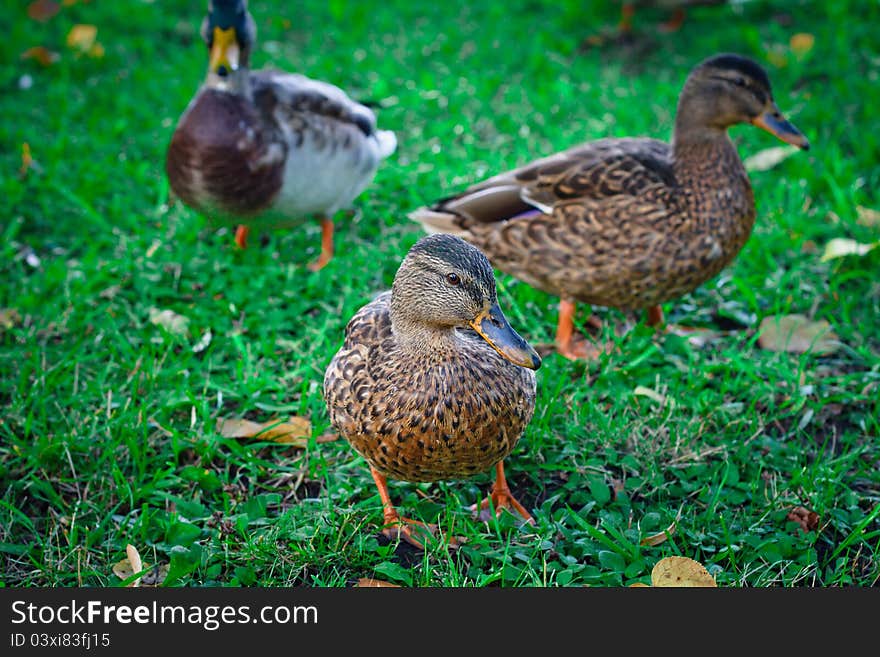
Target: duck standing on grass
column 431, row 381
column 627, row 223
column 267, row 149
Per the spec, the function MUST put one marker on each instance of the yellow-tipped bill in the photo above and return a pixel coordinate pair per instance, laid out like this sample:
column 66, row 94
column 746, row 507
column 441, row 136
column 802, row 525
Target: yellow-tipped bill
column 224, row 51
column 494, row 328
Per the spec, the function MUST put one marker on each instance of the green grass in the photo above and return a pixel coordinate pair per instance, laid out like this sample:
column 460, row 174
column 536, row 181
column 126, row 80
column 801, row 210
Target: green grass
column 108, row 433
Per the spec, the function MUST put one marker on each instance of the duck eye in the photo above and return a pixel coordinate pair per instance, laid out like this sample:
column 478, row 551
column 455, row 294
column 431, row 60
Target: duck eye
column 739, row 82
column 452, row 278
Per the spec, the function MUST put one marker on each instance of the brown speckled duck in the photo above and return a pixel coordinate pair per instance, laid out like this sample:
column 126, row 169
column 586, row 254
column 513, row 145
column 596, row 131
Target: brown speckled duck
column 431, row 381
column 627, row 223
column 267, row 148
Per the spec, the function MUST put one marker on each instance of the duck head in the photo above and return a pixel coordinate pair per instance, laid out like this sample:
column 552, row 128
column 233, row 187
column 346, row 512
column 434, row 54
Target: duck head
column 445, row 283
column 728, row 89
column 229, row 31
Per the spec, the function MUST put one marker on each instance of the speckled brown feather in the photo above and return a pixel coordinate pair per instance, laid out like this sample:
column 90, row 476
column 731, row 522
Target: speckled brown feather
column 436, row 415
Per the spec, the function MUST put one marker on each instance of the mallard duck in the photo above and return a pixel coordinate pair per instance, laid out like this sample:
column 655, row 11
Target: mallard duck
column 676, row 7
column 431, row 381
column 268, row 148
column 627, row 223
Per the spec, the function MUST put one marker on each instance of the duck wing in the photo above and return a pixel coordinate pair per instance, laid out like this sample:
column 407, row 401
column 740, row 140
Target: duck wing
column 291, row 99
column 583, row 224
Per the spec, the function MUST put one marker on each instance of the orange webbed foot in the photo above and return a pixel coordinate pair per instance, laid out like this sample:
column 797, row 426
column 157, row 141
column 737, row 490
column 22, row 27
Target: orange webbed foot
column 499, row 499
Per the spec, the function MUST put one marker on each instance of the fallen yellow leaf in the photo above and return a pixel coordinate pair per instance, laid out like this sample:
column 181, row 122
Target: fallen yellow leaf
column 797, row 334
column 83, row 39
column 294, row 431
column 801, row 43
column 681, row 572
column 840, row 247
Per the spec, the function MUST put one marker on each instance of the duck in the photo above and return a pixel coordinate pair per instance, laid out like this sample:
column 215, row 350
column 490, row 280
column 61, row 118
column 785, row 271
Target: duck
column 627, row 222
column 432, row 382
column 677, row 8
column 267, row 148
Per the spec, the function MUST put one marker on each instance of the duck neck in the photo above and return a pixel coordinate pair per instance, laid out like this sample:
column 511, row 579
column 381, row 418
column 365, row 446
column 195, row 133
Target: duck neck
column 717, row 192
column 424, row 341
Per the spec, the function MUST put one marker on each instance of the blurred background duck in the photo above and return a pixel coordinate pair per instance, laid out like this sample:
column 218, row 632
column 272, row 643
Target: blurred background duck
column 267, row 149
column 627, row 222
column 431, row 381
column 677, row 10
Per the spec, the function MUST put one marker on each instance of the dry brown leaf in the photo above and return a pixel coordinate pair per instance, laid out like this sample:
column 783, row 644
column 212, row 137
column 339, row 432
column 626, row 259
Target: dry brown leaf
column 9, row 317
column 41, row 55
column 797, row 334
column 769, row 158
column 807, row 520
column 42, row 10
column 840, row 247
column 801, row 43
column 170, row 321
column 152, row 576
column 134, row 558
column 294, row 431
column 867, row 217
column 371, row 582
column 659, row 537
column 681, row 571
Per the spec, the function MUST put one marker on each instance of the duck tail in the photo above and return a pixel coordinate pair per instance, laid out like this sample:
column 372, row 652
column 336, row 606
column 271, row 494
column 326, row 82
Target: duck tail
column 387, row 142
column 435, row 221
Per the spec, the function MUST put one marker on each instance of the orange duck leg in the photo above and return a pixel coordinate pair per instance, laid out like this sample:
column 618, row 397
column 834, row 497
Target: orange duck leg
column 501, row 498
column 326, row 245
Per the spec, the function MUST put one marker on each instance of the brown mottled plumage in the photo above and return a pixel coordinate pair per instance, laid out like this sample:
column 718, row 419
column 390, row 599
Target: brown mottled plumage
column 431, row 381
column 268, row 148
column 627, row 222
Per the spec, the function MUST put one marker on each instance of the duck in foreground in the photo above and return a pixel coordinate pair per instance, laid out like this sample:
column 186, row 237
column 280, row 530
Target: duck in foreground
column 627, row 223
column 431, row 381
column 268, row 149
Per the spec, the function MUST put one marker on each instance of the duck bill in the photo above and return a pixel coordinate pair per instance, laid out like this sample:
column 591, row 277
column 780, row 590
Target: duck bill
column 773, row 122
column 225, row 52
column 494, row 328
